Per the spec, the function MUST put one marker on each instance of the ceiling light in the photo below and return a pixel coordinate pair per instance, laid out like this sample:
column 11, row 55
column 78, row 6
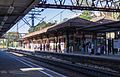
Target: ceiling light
column 10, row 10
column 5, row 18
column 0, row 26
column 2, row 23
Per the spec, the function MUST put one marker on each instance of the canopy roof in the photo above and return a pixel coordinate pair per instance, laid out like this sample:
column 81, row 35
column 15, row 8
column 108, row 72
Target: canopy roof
column 102, row 28
column 72, row 23
column 12, row 11
column 76, row 22
column 37, row 32
column 80, row 25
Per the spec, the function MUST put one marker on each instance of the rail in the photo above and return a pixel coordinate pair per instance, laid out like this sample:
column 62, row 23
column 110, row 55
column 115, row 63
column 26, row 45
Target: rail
column 112, row 63
column 71, row 62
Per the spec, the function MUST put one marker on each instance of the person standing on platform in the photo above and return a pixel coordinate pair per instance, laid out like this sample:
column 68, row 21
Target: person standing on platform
column 89, row 49
column 83, row 48
column 98, row 50
column 92, row 48
column 102, row 49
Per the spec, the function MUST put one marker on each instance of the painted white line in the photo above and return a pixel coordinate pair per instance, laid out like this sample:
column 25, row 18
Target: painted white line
column 44, row 68
column 30, row 69
column 31, row 66
column 17, row 54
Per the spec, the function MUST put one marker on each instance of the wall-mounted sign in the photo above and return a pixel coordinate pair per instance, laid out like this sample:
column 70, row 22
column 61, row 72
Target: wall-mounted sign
column 117, row 43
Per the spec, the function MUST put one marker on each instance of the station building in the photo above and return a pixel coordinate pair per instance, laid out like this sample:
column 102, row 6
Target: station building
column 71, row 36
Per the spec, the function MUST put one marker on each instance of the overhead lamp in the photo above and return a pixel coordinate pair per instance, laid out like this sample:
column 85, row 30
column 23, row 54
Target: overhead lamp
column 2, row 23
column 5, row 18
column 0, row 27
column 10, row 10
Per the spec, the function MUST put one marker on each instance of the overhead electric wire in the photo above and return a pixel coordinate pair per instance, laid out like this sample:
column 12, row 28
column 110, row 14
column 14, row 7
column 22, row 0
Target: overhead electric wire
column 42, row 19
column 56, row 15
column 26, row 22
column 23, row 24
column 15, row 26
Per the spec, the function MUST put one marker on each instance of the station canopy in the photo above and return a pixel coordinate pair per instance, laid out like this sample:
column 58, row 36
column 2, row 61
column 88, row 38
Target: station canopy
column 102, row 28
column 11, row 11
column 72, row 23
column 69, row 25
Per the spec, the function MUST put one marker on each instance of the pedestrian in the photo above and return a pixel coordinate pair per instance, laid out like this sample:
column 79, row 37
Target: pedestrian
column 98, row 50
column 92, row 48
column 102, row 49
column 83, row 48
column 89, row 50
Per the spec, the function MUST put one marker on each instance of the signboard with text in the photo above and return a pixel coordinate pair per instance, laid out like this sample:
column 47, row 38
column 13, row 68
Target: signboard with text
column 116, row 43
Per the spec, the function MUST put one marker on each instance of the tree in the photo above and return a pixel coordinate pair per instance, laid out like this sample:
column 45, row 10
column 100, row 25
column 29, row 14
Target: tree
column 86, row 15
column 41, row 26
column 114, row 15
column 3, row 43
column 12, row 37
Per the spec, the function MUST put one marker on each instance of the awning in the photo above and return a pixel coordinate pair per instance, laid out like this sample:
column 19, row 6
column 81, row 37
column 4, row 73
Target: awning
column 106, row 27
column 12, row 11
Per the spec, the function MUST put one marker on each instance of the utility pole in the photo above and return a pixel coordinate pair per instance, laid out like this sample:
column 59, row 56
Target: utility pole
column 7, row 40
column 17, row 36
column 32, row 18
column 61, row 17
column 17, row 27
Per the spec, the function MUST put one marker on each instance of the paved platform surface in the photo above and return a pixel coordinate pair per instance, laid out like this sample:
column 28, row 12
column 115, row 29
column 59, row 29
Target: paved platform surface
column 13, row 66
column 101, row 56
column 110, row 56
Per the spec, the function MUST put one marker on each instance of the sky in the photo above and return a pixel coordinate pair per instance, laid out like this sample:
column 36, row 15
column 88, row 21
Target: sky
column 48, row 14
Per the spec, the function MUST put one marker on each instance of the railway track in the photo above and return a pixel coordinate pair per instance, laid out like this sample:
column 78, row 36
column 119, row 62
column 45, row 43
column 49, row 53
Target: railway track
column 88, row 69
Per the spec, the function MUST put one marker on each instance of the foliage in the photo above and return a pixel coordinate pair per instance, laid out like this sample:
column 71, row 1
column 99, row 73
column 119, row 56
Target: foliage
column 86, row 15
column 3, row 43
column 116, row 15
column 31, row 29
column 12, row 36
column 41, row 26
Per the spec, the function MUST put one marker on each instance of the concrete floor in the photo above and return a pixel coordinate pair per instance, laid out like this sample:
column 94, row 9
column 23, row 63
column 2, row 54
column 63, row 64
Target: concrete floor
column 13, row 66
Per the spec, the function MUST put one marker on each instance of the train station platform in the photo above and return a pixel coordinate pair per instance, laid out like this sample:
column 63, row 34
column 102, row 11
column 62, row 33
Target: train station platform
column 111, row 56
column 15, row 66
column 76, row 53
column 107, row 64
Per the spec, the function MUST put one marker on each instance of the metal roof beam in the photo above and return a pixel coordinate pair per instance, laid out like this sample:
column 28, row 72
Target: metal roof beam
column 77, row 7
column 93, row 5
column 2, row 15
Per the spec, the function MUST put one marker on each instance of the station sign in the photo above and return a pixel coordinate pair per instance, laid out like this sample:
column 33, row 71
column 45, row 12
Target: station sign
column 116, row 43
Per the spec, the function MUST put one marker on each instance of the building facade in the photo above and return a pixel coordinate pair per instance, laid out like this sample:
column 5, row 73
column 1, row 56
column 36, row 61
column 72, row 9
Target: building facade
column 70, row 36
